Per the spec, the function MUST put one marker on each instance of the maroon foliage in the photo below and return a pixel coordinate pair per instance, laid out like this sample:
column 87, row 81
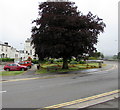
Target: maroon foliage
column 62, row 32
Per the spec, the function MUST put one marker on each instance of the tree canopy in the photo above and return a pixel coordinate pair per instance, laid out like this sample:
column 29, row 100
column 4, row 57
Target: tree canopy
column 61, row 31
column 118, row 56
column 96, row 54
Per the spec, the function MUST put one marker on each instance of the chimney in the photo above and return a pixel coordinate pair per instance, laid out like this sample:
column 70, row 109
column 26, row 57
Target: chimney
column 6, row 43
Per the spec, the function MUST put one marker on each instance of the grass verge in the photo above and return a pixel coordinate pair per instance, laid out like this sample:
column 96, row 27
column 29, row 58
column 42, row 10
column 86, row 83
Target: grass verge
column 43, row 70
column 11, row 73
column 58, row 68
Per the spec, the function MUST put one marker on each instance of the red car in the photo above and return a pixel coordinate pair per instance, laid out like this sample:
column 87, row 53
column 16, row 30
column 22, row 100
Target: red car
column 26, row 63
column 14, row 67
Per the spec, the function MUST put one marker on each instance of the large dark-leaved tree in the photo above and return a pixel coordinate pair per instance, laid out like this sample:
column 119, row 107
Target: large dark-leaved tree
column 61, row 31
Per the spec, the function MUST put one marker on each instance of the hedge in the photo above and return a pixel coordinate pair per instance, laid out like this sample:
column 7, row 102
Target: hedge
column 35, row 61
column 7, row 59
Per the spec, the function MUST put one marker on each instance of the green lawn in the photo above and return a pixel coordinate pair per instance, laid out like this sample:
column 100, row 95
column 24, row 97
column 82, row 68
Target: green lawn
column 10, row 73
column 49, row 68
column 42, row 71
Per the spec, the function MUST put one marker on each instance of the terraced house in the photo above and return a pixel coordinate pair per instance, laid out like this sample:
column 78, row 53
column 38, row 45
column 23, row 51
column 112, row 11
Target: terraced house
column 7, row 51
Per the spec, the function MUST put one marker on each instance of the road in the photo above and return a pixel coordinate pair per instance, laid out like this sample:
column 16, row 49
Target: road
column 40, row 93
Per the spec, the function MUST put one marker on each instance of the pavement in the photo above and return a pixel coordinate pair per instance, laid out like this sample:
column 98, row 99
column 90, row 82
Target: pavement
column 115, row 103
column 105, row 100
column 31, row 73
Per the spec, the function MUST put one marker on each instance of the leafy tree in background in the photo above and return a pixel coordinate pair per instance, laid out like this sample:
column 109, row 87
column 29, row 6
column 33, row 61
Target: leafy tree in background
column 97, row 55
column 114, row 57
column 102, row 56
column 61, row 31
column 118, row 55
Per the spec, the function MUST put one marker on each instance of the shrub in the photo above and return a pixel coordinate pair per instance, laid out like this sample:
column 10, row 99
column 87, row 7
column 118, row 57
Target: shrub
column 42, row 61
column 59, row 60
column 35, row 61
column 82, row 62
column 92, row 58
column 73, row 62
column 51, row 61
column 7, row 59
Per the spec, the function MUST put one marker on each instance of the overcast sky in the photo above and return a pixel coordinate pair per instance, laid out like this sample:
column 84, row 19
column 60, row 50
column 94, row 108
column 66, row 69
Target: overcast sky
column 16, row 18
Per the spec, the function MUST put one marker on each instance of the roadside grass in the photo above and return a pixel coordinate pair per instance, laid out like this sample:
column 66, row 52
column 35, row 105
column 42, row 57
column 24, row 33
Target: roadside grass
column 11, row 73
column 43, row 70
column 51, row 68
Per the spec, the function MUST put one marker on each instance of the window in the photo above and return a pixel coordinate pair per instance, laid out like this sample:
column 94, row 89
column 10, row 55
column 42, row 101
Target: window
column 2, row 48
column 30, row 52
column 21, row 63
column 6, row 49
column 9, row 64
column 14, row 65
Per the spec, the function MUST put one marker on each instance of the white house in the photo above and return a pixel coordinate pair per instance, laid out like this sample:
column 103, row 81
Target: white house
column 14, row 54
column 28, row 49
column 21, row 55
column 7, row 51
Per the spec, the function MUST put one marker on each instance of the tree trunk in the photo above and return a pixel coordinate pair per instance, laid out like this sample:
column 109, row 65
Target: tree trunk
column 65, row 63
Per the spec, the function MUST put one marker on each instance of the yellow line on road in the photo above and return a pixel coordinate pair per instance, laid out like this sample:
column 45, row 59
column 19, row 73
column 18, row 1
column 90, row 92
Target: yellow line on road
column 20, row 79
column 83, row 100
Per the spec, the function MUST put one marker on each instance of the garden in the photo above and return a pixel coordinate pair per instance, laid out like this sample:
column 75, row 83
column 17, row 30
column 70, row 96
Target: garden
column 55, row 65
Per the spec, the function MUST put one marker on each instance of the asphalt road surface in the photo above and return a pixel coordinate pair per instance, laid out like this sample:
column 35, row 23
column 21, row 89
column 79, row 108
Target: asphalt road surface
column 40, row 93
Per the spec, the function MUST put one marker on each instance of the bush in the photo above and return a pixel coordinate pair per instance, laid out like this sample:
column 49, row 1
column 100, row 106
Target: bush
column 51, row 61
column 42, row 61
column 73, row 62
column 82, row 62
column 59, row 60
column 92, row 58
column 7, row 59
column 35, row 61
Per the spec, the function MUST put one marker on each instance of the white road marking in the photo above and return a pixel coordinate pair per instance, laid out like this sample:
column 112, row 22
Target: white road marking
column 2, row 91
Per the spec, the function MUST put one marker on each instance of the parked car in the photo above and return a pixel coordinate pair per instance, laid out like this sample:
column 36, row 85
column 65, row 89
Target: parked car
column 14, row 67
column 26, row 63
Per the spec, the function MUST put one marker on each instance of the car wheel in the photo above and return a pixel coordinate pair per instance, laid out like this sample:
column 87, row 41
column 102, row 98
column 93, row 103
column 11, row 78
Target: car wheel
column 29, row 67
column 7, row 69
column 22, row 69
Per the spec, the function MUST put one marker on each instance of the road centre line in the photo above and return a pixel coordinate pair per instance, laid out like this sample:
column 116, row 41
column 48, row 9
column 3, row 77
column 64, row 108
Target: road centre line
column 84, row 99
column 13, row 80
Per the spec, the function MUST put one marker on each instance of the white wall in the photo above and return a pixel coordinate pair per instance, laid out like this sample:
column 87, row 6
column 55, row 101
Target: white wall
column 11, row 52
column 28, row 49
